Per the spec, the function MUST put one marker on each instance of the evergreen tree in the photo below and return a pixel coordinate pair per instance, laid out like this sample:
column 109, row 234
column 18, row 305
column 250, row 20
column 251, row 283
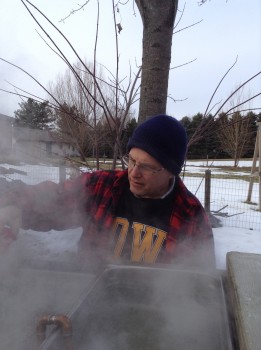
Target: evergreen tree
column 127, row 133
column 34, row 115
column 207, row 145
column 252, row 132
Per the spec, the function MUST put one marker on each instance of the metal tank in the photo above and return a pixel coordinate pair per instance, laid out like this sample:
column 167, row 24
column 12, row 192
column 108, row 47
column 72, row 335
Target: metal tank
column 144, row 308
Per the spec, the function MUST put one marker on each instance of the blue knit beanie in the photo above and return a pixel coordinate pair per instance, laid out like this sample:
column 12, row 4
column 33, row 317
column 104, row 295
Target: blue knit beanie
column 164, row 138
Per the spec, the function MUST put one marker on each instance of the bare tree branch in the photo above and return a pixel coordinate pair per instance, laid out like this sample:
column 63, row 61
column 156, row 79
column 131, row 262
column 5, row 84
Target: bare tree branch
column 247, row 81
column 81, row 7
column 191, row 25
column 68, row 42
column 184, row 64
column 206, row 111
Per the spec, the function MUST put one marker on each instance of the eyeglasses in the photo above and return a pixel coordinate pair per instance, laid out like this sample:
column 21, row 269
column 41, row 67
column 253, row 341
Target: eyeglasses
column 144, row 168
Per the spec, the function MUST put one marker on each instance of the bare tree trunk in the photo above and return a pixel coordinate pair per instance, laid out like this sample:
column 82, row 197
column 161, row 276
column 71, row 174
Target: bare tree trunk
column 158, row 21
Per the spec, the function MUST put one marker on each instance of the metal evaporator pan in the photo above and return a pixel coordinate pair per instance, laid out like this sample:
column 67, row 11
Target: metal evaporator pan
column 144, row 308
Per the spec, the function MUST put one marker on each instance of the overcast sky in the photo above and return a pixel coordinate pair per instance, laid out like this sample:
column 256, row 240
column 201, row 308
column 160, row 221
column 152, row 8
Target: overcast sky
column 229, row 29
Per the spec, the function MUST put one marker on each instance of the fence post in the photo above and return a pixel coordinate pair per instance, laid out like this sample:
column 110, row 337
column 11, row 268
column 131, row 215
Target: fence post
column 207, row 190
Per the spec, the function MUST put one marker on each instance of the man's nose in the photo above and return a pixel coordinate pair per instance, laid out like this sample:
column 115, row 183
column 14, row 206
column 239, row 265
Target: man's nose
column 135, row 171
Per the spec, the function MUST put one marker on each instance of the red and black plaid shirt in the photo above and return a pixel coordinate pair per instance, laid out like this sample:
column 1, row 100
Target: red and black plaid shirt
column 91, row 201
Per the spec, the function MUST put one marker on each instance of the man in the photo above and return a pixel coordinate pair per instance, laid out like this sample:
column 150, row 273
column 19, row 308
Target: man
column 141, row 215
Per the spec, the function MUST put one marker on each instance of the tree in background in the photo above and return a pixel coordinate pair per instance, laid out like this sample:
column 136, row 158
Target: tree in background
column 235, row 135
column 158, row 23
column 203, row 147
column 235, row 128
column 253, row 119
column 77, row 119
column 69, row 129
column 114, row 107
column 34, row 115
column 127, row 133
column 88, row 117
column 108, row 141
column 230, row 136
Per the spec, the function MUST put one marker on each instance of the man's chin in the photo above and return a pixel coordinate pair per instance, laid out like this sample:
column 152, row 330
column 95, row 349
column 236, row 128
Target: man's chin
column 138, row 192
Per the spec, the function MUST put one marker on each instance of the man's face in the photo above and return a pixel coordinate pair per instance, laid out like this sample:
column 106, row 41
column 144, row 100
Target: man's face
column 147, row 177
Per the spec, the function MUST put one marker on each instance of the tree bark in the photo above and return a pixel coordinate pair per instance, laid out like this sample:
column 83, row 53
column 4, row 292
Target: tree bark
column 158, row 19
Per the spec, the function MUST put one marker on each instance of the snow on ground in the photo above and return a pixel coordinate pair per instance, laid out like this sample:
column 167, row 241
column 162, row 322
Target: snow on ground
column 54, row 245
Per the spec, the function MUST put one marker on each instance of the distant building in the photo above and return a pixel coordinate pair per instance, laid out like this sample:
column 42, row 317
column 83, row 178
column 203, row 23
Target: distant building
column 31, row 144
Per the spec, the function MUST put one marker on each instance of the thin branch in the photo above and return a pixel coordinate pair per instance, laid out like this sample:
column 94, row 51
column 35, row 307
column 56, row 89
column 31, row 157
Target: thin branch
column 206, row 111
column 177, row 100
column 117, row 59
column 245, row 110
column 242, row 103
column 17, row 94
column 191, row 25
column 200, row 131
column 81, row 7
column 28, row 93
column 184, row 64
column 179, row 20
column 247, row 81
column 31, row 76
column 70, row 45
column 40, row 100
column 182, row 13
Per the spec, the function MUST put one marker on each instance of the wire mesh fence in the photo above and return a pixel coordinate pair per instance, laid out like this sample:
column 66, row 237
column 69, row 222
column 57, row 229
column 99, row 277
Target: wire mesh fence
column 227, row 197
column 228, row 201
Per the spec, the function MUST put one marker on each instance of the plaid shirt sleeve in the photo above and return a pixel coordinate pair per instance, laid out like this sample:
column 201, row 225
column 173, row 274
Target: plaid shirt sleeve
column 48, row 205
